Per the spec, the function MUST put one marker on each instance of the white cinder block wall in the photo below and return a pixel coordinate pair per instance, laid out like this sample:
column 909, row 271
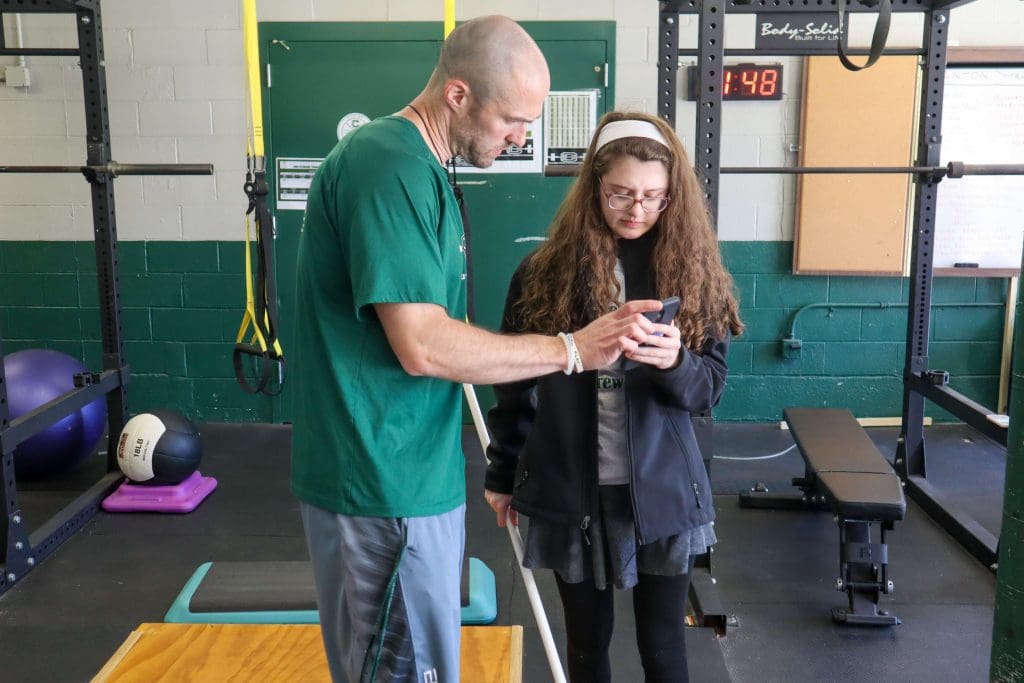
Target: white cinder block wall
column 175, row 78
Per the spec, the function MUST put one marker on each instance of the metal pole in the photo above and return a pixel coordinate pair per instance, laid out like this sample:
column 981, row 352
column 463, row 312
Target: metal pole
column 115, row 169
column 707, row 144
column 910, row 450
column 953, row 169
column 557, row 673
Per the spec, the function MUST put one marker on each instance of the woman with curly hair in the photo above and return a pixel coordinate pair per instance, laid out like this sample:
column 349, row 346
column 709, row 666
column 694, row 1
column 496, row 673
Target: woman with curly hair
column 605, row 463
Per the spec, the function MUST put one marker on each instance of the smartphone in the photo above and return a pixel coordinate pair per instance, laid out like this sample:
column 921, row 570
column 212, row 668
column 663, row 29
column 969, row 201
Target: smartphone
column 669, row 308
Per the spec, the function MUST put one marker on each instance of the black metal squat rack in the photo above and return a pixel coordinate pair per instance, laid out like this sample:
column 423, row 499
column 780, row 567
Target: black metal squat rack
column 920, row 382
column 21, row 549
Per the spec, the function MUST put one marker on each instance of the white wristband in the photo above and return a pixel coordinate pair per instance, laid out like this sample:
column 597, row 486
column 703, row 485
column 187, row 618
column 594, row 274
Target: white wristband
column 570, row 352
column 574, row 363
column 577, row 360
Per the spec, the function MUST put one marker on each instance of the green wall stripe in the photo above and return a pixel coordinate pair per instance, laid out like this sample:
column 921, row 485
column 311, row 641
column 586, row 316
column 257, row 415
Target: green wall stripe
column 183, row 304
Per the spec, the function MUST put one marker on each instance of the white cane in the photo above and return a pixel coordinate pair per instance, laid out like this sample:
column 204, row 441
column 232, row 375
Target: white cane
column 557, row 674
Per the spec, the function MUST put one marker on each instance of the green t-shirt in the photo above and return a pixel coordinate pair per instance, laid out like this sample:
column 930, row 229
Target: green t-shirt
column 382, row 226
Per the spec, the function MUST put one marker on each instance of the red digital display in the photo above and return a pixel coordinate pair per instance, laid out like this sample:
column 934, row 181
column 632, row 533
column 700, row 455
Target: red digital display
column 745, row 82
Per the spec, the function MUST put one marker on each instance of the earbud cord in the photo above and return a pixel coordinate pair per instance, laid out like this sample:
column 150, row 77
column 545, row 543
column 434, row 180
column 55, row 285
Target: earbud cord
column 430, row 135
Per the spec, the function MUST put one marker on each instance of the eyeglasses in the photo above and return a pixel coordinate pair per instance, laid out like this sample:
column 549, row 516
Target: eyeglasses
column 625, row 202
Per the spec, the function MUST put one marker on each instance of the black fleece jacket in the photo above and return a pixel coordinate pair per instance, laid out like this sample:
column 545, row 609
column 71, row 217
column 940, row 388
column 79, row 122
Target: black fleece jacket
column 544, row 447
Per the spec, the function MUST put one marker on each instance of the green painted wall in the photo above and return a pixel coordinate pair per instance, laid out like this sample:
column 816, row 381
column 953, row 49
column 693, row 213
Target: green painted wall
column 183, row 303
column 851, row 357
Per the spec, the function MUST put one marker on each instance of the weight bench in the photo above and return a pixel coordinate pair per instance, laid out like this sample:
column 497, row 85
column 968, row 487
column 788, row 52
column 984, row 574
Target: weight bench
column 845, row 473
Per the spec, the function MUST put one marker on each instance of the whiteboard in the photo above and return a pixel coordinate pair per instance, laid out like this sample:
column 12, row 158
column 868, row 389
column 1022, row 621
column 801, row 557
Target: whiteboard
column 980, row 219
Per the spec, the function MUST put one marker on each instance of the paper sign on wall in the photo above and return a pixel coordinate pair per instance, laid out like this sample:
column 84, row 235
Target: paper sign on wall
column 294, row 176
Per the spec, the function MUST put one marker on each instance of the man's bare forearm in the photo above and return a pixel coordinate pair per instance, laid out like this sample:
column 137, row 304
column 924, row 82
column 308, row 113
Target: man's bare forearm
column 430, row 343
column 468, row 354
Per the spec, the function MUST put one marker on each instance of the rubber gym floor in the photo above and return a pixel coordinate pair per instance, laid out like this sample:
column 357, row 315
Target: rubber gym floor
column 774, row 570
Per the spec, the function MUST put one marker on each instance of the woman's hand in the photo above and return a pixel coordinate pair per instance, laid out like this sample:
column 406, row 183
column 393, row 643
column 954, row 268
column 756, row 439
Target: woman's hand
column 501, row 503
column 660, row 351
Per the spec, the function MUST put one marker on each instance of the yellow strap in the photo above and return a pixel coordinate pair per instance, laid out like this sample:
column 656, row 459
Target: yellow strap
column 250, row 300
column 254, row 147
column 252, row 63
column 249, row 318
column 254, row 138
column 449, row 17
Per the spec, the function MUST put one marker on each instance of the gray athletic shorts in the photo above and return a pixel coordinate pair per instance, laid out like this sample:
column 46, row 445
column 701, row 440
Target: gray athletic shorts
column 353, row 562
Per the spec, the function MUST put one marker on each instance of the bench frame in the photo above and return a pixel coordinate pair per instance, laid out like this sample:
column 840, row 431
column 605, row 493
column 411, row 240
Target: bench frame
column 863, row 573
column 863, row 562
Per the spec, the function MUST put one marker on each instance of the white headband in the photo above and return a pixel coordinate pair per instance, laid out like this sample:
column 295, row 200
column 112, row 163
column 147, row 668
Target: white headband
column 629, row 128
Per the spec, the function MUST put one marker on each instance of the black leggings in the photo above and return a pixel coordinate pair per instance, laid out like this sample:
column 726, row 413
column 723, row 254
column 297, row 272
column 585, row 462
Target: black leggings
column 659, row 606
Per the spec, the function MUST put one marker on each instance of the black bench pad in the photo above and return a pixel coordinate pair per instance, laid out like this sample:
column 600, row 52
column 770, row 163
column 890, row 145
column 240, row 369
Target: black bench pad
column 859, row 481
column 866, row 496
column 256, row 587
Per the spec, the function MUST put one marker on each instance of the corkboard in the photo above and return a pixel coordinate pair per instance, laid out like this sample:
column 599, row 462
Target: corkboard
column 855, row 224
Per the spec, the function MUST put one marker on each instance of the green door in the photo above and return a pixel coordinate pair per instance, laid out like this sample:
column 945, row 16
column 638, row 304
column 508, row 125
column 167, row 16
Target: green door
column 321, row 76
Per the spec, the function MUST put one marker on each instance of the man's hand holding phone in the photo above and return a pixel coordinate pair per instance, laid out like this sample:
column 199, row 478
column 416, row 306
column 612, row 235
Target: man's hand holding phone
column 662, row 348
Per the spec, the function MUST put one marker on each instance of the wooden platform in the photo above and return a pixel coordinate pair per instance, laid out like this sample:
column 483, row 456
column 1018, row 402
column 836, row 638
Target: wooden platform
column 279, row 652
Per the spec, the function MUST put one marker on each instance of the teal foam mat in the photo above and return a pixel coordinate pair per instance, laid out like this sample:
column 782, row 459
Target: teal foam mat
column 483, row 597
column 295, row 580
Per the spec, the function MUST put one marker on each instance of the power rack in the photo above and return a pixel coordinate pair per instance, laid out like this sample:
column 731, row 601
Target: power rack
column 920, row 381
column 23, row 549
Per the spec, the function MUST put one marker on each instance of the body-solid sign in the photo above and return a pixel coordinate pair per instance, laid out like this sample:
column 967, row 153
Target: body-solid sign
column 815, row 32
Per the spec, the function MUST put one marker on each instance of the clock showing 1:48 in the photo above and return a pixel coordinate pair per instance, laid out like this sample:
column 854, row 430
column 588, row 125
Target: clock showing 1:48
column 744, row 82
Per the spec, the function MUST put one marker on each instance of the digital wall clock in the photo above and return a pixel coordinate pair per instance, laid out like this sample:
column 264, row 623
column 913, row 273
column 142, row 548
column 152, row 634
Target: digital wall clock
column 744, row 82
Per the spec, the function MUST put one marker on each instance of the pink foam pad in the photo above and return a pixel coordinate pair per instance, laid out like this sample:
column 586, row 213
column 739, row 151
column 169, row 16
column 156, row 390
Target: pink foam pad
column 183, row 497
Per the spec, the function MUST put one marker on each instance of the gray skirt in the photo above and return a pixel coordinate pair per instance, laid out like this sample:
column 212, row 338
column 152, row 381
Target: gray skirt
column 609, row 553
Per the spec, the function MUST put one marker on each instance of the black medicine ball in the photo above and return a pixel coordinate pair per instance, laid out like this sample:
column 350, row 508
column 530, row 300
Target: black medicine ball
column 161, row 447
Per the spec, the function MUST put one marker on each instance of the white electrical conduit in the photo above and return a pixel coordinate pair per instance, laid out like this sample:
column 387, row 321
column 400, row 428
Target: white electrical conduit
column 19, row 38
column 557, row 673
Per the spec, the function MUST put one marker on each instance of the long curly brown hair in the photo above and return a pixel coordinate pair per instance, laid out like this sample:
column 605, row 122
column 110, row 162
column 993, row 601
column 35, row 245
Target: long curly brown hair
column 570, row 280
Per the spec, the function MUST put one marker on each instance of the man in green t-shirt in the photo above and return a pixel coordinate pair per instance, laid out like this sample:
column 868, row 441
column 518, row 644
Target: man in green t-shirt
column 381, row 348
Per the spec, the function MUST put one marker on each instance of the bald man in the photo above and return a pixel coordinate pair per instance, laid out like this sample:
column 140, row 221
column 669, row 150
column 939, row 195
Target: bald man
column 381, row 349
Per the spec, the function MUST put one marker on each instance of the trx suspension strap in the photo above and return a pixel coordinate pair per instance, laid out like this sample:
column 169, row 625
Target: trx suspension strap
column 878, row 37
column 261, row 346
column 449, row 17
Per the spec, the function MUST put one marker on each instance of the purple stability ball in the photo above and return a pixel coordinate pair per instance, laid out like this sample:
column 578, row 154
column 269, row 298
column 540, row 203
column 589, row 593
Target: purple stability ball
column 35, row 377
